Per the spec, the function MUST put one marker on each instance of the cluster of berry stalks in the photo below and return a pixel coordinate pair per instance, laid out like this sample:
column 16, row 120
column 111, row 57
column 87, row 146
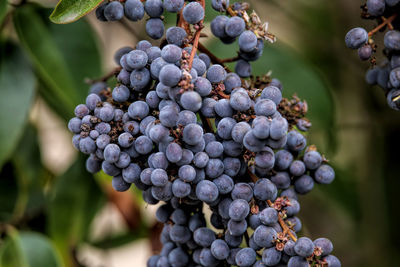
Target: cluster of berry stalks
column 387, row 73
column 193, row 135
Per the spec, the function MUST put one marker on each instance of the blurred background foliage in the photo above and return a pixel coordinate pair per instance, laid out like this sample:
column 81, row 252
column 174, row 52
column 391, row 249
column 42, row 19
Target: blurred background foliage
column 54, row 213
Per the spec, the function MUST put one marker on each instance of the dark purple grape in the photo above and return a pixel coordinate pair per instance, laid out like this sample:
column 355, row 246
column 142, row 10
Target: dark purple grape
column 155, row 28
column 356, row 38
column 193, row 12
column 245, row 257
column 376, row 7
column 304, row 247
column 173, row 5
column 234, row 26
column 218, row 25
column 134, row 10
column 176, row 35
column 154, row 8
column 114, row 11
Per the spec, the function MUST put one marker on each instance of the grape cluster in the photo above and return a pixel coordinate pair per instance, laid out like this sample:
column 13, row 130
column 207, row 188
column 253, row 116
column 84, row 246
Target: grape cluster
column 387, row 74
column 194, row 136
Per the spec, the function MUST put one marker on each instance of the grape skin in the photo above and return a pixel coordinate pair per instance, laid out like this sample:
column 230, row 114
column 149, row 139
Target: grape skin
column 114, row 11
column 134, row 10
column 193, row 12
column 155, row 28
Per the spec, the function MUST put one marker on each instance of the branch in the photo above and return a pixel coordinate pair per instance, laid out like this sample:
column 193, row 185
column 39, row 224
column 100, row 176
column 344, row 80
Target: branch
column 230, row 11
column 283, row 224
column 105, row 78
column 197, row 36
column 385, row 22
column 214, row 59
column 182, row 23
column 232, row 59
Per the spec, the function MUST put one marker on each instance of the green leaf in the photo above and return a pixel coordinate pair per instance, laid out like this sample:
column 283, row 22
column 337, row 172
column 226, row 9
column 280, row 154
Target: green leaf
column 79, row 48
column 68, row 11
column 32, row 176
column 8, row 192
column 28, row 249
column 47, row 58
column 75, row 201
column 343, row 191
column 17, row 87
column 54, row 102
column 122, row 239
column 3, row 10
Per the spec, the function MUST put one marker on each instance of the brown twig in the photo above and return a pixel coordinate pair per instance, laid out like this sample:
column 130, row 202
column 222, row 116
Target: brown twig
column 232, row 59
column 283, row 224
column 223, row 95
column 182, row 23
column 195, row 44
column 214, row 59
column 105, row 78
column 230, row 11
column 197, row 36
column 385, row 22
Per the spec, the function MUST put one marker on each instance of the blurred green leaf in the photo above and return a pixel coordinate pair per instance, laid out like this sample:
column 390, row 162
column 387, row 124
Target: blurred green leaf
column 74, row 49
column 3, row 10
column 17, row 86
column 31, row 174
column 28, row 249
column 80, row 51
column 45, row 55
column 122, row 239
column 11, row 253
column 75, row 201
column 8, row 192
column 344, row 192
column 54, row 102
column 68, row 11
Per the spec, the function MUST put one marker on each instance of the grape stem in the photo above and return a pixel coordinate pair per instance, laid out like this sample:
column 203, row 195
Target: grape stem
column 282, row 223
column 197, row 36
column 230, row 11
column 385, row 22
column 112, row 73
column 182, row 23
column 214, row 59
column 231, row 59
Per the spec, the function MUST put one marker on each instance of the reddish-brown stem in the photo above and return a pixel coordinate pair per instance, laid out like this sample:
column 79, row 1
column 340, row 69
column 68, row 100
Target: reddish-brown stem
column 385, row 22
column 197, row 36
column 230, row 11
column 105, row 78
column 214, row 59
column 253, row 177
column 182, row 23
column 207, row 124
column 195, row 44
column 283, row 224
column 232, row 59
column 223, row 95
column 389, row 24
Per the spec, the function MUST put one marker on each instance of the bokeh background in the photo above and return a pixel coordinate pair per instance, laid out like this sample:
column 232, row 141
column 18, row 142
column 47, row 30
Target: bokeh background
column 54, row 213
